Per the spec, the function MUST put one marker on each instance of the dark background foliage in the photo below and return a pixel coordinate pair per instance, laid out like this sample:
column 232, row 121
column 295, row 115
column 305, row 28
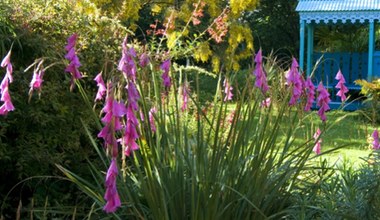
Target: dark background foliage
column 275, row 26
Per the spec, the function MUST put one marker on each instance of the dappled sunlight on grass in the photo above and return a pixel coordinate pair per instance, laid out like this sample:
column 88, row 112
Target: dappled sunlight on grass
column 349, row 134
column 350, row 130
column 355, row 157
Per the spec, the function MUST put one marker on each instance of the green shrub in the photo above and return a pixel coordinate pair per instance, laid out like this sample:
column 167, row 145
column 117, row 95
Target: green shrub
column 46, row 130
column 342, row 193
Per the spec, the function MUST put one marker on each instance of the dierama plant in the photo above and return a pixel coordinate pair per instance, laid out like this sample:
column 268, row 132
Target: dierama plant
column 184, row 163
column 166, row 158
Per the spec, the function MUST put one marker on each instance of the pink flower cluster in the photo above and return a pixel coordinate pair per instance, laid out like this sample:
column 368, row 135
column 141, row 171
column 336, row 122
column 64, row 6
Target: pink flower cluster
column 114, row 111
column 127, row 63
column 342, row 88
column 219, row 28
column 4, row 86
column 323, row 101
column 111, row 195
column 165, row 67
column 114, row 114
column 261, row 79
column 298, row 85
column 101, row 87
column 128, row 66
column 74, row 64
column 317, row 146
column 144, row 60
column 152, row 112
column 37, row 80
column 227, row 90
column 310, row 94
column 375, row 143
column 185, row 95
column 198, row 12
column 265, row 103
column 294, row 80
column 130, row 135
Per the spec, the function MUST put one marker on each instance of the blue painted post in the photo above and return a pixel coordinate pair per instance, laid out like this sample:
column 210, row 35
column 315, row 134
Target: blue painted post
column 371, row 48
column 302, row 44
column 310, row 50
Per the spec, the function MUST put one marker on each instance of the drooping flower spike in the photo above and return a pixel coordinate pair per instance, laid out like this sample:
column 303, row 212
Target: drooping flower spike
column 6, row 60
column 323, row 101
column 185, row 90
column 113, row 112
column 342, row 88
column 144, row 59
column 111, row 195
column 128, row 67
column 127, row 63
column 133, row 95
column 152, row 112
column 310, row 94
column 375, row 143
column 261, row 79
column 73, row 59
column 165, row 67
column 36, row 81
column 4, row 86
column 7, row 105
column 130, row 135
column 294, row 80
column 227, row 90
column 101, row 87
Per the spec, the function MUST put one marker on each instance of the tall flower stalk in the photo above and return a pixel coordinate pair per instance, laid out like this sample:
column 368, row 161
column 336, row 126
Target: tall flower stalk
column 185, row 90
column 342, row 88
column 375, row 142
column 113, row 113
column 73, row 59
column 101, row 87
column 112, row 195
column 128, row 67
column 261, row 79
column 227, row 90
column 7, row 106
column 165, row 67
column 323, row 101
column 294, row 81
column 310, row 94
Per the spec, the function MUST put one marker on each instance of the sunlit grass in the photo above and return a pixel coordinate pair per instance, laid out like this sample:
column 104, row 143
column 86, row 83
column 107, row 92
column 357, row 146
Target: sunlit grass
column 352, row 156
column 350, row 132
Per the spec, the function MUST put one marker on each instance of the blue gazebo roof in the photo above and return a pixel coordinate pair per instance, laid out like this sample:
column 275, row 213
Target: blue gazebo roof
column 338, row 10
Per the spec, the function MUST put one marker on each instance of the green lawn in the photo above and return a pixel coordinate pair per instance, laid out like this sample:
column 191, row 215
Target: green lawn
column 351, row 131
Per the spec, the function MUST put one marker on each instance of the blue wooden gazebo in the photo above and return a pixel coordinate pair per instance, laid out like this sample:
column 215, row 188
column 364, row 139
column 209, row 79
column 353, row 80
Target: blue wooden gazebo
column 315, row 12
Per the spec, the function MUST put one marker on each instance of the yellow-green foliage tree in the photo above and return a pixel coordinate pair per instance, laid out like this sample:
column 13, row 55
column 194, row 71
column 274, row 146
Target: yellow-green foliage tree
column 211, row 31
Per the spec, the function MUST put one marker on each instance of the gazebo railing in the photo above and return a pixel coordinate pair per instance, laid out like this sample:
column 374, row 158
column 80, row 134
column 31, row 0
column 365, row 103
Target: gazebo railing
column 353, row 66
